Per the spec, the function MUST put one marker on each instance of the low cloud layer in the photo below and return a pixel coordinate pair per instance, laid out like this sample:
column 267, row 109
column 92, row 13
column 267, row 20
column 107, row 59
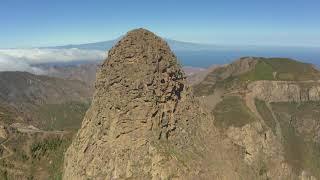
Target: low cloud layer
column 8, row 63
column 24, row 59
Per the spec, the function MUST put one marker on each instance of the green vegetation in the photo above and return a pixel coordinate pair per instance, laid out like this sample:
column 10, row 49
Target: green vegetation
column 232, row 111
column 4, row 174
column 50, row 152
column 288, row 69
column 40, row 149
column 301, row 149
column 266, row 114
column 40, row 155
column 35, row 156
column 7, row 115
column 281, row 69
column 262, row 71
column 66, row 116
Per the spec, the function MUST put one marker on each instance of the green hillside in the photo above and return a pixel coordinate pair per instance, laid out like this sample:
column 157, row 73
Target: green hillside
column 66, row 116
column 234, row 76
column 281, row 69
column 232, row 111
column 300, row 124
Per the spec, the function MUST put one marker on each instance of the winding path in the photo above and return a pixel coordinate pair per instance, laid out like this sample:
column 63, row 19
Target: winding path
column 27, row 130
column 10, row 152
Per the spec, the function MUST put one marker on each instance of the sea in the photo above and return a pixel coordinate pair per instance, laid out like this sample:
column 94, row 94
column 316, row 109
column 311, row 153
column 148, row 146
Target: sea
column 206, row 58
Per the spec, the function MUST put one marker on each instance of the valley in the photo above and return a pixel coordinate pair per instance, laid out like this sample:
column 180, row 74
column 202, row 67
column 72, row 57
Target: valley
column 38, row 116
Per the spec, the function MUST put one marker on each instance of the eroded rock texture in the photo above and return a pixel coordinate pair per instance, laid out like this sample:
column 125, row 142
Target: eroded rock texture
column 285, row 91
column 145, row 124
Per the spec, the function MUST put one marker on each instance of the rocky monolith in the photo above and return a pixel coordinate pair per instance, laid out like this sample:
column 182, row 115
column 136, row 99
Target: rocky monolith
column 144, row 122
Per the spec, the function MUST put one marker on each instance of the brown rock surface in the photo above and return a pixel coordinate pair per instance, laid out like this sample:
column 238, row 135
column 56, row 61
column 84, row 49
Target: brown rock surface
column 283, row 91
column 144, row 123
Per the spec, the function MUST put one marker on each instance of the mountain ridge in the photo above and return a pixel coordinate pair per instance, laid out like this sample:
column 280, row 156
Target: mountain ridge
column 268, row 114
column 207, row 54
column 106, row 45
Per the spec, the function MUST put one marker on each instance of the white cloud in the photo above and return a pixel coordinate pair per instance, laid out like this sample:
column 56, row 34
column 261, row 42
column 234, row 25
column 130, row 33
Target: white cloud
column 8, row 63
column 23, row 59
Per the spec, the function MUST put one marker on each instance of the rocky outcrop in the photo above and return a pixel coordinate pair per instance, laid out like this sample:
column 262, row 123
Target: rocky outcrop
column 236, row 68
column 285, row 91
column 263, row 151
column 306, row 126
column 144, row 122
column 207, row 84
column 239, row 67
column 3, row 132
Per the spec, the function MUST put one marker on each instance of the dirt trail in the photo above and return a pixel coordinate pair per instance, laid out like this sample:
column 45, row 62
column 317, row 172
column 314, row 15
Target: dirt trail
column 10, row 152
column 250, row 102
column 27, row 130
column 212, row 100
column 18, row 170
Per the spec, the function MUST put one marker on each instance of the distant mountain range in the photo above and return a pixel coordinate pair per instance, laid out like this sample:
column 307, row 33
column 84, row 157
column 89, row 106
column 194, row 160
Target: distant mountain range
column 175, row 45
column 204, row 55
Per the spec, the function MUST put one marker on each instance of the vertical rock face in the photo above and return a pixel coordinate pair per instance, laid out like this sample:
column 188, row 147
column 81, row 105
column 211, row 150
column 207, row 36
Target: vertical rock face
column 143, row 122
column 285, row 91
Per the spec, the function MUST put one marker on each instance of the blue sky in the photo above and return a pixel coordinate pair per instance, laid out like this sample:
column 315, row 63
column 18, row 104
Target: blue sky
column 33, row 23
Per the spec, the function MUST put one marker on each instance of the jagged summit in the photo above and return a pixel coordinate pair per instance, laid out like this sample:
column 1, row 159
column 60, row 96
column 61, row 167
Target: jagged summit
column 141, row 76
column 141, row 48
column 139, row 39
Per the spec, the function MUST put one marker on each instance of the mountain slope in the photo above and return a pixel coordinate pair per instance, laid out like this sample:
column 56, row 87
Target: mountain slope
column 38, row 115
column 23, row 87
column 81, row 72
column 269, row 107
column 250, row 69
column 34, row 98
